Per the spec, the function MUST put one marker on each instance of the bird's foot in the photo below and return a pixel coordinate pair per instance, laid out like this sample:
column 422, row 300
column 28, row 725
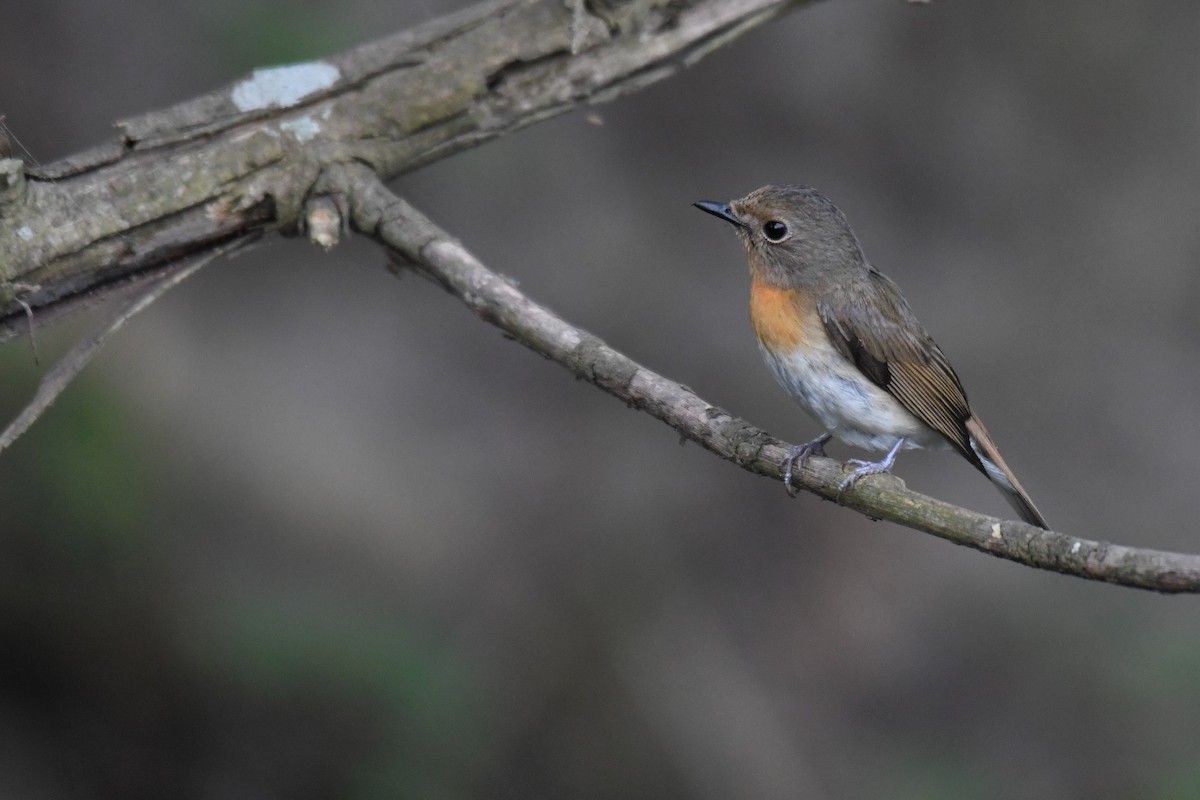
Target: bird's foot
column 800, row 454
column 866, row 468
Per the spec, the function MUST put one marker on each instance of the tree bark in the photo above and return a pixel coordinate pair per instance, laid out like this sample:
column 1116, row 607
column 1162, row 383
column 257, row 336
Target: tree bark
column 242, row 160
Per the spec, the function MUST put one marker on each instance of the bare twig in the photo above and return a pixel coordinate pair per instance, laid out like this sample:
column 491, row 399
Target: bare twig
column 393, row 222
column 62, row 373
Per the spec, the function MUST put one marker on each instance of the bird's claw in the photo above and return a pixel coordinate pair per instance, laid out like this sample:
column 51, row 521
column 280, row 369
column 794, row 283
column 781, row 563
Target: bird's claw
column 798, row 456
column 865, row 468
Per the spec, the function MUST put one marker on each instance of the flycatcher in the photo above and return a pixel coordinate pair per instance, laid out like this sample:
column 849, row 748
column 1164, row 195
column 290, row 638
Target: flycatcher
column 840, row 338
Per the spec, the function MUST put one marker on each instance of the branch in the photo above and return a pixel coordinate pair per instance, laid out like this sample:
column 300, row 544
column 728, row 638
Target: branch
column 377, row 212
column 243, row 159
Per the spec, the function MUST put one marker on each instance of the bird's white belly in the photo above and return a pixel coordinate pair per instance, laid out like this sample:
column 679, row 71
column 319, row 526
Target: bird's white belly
column 852, row 408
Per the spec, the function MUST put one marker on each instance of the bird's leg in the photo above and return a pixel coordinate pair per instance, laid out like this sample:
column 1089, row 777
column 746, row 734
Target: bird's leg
column 800, row 454
column 871, row 467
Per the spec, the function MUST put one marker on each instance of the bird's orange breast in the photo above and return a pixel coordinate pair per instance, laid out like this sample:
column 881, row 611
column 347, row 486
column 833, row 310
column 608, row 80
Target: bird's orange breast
column 784, row 319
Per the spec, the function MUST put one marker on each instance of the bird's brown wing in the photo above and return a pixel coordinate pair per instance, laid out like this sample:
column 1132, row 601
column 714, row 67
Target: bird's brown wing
column 885, row 341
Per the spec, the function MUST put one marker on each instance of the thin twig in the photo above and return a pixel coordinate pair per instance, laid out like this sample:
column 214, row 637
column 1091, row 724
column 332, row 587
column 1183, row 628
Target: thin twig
column 62, row 373
column 411, row 236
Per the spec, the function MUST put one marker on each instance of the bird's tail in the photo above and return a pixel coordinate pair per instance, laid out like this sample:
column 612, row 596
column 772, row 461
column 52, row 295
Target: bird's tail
column 992, row 465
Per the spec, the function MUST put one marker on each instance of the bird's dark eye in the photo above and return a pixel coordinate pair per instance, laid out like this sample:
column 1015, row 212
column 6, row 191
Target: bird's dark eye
column 775, row 231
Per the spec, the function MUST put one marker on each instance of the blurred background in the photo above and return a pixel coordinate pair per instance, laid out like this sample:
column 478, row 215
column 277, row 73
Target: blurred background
column 305, row 530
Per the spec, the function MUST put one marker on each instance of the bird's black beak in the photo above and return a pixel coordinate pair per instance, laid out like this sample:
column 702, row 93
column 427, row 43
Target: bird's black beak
column 721, row 210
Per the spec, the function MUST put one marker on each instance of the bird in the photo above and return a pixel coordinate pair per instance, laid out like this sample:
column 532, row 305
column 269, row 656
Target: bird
column 840, row 338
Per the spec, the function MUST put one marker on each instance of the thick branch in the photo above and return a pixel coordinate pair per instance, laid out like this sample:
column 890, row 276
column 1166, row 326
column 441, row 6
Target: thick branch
column 380, row 214
column 244, row 158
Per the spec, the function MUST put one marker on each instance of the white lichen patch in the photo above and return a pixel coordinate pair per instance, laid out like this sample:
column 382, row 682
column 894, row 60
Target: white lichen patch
column 25, row 232
column 303, row 128
column 281, row 87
